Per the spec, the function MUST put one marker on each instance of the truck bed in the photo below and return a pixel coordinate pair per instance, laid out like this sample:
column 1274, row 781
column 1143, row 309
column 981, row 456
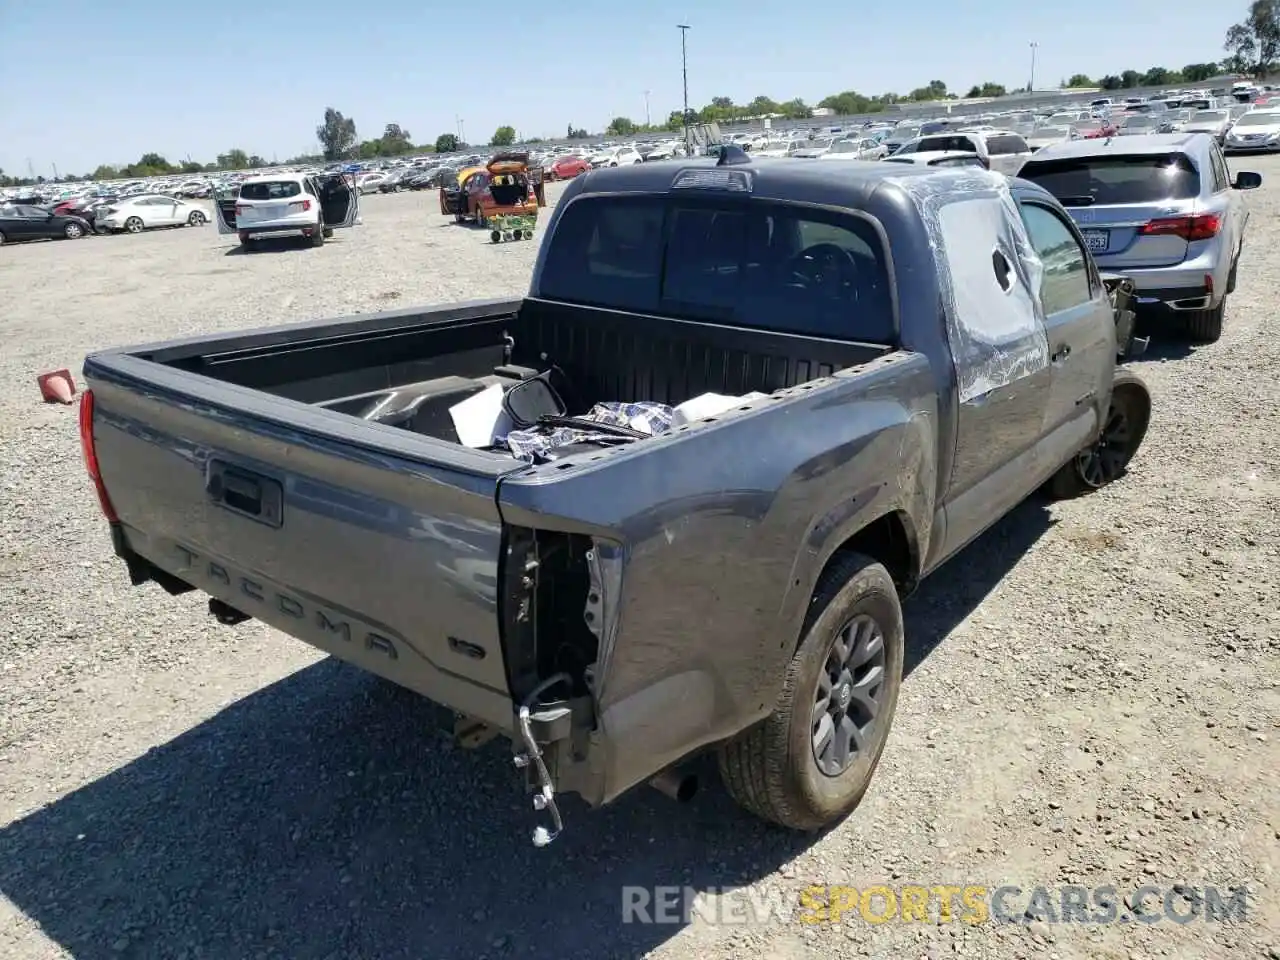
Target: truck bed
column 394, row 361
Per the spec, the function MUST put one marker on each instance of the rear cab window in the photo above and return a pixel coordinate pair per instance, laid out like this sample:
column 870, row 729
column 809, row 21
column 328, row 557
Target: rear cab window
column 947, row 142
column 272, row 190
column 1115, row 179
column 1006, row 143
column 758, row 264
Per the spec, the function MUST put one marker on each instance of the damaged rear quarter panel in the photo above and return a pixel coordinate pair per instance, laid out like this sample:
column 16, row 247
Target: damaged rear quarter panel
column 723, row 530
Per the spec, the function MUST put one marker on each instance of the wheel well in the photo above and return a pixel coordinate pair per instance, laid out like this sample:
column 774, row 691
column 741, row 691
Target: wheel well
column 889, row 541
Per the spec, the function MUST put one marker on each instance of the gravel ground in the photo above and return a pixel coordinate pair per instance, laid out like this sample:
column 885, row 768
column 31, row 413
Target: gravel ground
column 1093, row 698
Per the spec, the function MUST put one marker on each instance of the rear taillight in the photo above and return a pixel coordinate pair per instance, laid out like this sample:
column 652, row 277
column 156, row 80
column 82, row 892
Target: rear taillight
column 91, row 455
column 303, row 205
column 1199, row 226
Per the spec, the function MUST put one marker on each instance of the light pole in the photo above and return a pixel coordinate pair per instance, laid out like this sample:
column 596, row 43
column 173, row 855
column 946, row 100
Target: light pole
column 1031, row 85
column 684, row 69
column 647, row 121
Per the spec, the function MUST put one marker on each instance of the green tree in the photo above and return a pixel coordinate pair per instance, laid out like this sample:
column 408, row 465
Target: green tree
column 987, row 89
column 1131, row 78
column 1199, row 72
column 192, row 166
column 621, row 127
column 576, row 133
column 233, row 159
column 446, row 143
column 106, row 172
column 396, row 141
column 795, row 109
column 256, row 161
column 1255, row 40
column 762, row 105
column 1111, row 82
column 1080, row 80
column 337, row 135
column 503, row 137
column 1159, row 77
column 936, row 90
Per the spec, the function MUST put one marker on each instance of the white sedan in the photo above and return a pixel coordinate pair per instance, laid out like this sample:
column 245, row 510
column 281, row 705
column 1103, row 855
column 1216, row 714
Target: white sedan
column 616, row 157
column 863, row 148
column 135, row 214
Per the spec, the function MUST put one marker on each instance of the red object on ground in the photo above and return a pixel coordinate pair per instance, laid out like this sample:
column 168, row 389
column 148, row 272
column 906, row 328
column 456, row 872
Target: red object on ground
column 57, row 386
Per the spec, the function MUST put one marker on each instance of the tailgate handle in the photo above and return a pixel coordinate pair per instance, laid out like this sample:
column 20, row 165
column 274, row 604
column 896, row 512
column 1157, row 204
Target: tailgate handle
column 247, row 493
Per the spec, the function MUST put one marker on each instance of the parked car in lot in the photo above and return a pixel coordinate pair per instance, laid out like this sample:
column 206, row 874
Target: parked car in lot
column 147, row 211
column 1161, row 210
column 939, row 158
column 309, row 206
column 1047, row 136
column 856, row 148
column 557, row 574
column 1138, row 125
column 20, row 222
column 566, row 168
column 1257, row 130
column 1000, row 150
column 616, row 157
column 1215, row 123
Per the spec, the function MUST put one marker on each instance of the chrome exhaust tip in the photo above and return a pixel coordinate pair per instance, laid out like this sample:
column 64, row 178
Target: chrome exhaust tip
column 680, row 785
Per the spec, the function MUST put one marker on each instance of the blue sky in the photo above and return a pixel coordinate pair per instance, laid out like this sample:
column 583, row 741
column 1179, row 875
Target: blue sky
column 103, row 82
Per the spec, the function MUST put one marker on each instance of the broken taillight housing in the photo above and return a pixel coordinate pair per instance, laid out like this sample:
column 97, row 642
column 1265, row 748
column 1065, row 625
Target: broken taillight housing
column 91, row 455
column 1196, row 226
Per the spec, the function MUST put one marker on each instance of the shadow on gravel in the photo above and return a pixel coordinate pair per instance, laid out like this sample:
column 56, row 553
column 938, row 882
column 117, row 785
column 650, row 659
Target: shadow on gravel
column 276, row 245
column 329, row 815
column 964, row 581
column 1167, row 348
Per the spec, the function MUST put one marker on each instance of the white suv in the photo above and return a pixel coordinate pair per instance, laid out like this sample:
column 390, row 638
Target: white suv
column 1001, row 150
column 289, row 205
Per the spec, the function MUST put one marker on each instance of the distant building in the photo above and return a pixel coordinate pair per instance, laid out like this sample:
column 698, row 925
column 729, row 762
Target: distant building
column 823, row 112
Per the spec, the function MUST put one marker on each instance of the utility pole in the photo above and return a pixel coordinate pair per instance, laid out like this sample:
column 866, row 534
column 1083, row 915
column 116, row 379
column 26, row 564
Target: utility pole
column 647, row 121
column 684, row 69
column 1031, row 85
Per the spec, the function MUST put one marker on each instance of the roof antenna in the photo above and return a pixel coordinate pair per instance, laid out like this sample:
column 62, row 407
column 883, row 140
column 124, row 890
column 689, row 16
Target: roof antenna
column 731, row 155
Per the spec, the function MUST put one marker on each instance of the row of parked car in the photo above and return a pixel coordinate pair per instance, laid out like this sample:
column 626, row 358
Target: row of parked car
column 84, row 216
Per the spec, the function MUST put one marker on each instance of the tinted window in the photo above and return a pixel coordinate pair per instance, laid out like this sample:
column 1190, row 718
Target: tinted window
column 759, row 265
column 1221, row 179
column 953, row 142
column 956, row 162
column 1115, row 179
column 1066, row 273
column 1007, row 143
column 274, row 190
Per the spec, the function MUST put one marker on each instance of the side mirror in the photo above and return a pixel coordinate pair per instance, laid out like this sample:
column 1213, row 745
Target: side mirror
column 1246, row 180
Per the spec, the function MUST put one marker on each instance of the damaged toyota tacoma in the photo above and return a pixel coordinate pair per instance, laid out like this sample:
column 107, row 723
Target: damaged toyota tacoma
column 668, row 502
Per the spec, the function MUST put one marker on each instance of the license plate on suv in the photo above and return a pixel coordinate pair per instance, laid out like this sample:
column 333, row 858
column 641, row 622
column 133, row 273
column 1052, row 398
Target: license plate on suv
column 1096, row 240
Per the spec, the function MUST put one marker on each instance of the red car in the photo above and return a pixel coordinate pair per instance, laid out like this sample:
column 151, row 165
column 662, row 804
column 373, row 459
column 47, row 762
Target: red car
column 566, row 168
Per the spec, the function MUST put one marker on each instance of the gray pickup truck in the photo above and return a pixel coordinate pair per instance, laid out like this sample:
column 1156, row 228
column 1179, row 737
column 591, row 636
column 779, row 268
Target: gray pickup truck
column 898, row 356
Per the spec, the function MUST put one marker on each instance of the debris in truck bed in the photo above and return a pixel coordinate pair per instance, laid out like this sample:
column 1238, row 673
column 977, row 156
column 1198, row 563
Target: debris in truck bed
column 535, row 443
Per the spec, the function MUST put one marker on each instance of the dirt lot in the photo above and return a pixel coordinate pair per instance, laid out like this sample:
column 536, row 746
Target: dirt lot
column 1093, row 697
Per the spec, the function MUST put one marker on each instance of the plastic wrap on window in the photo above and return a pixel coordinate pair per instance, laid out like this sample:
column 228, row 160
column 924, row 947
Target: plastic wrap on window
column 989, row 275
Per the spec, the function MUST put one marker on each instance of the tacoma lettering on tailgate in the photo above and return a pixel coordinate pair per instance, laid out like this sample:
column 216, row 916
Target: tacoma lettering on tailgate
column 243, row 588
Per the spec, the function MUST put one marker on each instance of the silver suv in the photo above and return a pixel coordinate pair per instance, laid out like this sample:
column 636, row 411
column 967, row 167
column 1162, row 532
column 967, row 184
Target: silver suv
column 1160, row 209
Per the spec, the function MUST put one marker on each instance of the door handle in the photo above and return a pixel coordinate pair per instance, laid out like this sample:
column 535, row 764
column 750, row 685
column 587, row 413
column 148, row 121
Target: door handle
column 1062, row 353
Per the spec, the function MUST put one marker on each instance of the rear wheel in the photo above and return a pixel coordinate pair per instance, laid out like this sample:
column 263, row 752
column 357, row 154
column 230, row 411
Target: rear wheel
column 317, row 235
column 1, row 238
column 1205, row 326
column 73, row 231
column 809, row 762
column 133, row 224
column 196, row 218
column 1231, row 277
column 1107, row 458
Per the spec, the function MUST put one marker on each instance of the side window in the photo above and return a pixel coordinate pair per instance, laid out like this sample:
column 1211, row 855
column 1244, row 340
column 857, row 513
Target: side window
column 1221, row 179
column 1066, row 271
column 309, row 186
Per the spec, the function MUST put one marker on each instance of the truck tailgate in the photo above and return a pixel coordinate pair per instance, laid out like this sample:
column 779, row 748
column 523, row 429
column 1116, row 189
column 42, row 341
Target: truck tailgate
column 371, row 543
